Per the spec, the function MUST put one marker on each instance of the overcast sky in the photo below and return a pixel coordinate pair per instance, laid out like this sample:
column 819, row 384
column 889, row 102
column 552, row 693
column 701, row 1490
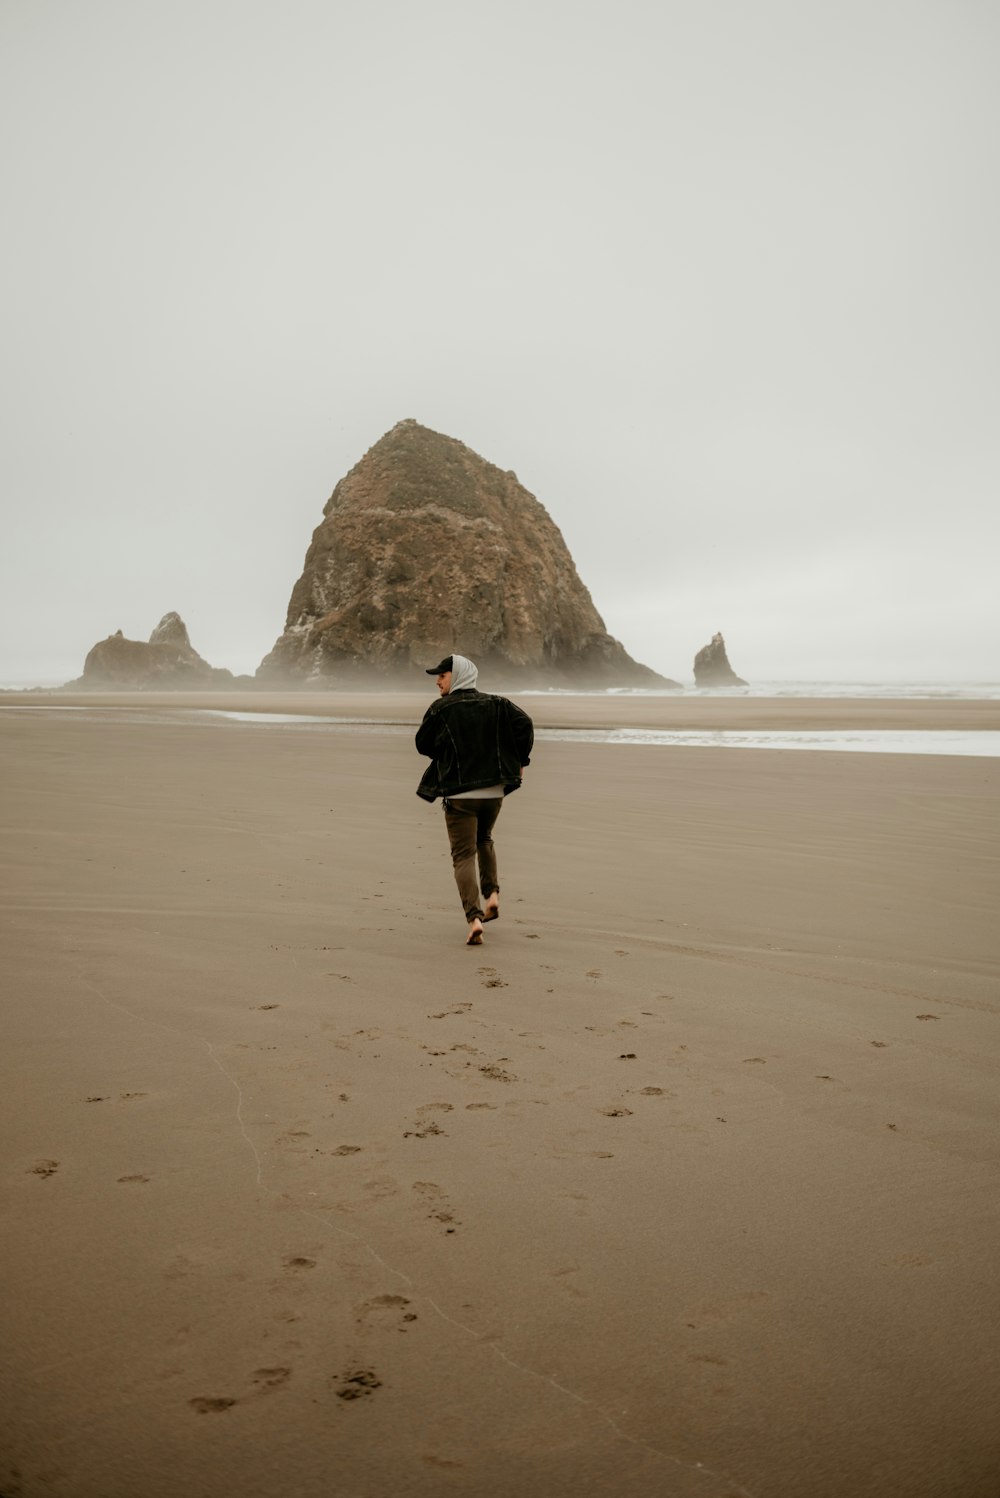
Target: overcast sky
column 717, row 279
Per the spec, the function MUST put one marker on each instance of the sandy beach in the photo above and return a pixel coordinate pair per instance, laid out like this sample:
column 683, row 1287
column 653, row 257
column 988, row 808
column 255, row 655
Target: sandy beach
column 684, row 1185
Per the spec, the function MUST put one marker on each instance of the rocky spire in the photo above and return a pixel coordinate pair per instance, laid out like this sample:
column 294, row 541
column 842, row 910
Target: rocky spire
column 425, row 548
column 712, row 668
column 171, row 630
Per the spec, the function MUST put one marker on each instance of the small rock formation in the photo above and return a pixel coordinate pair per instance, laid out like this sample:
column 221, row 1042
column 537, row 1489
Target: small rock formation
column 424, row 549
column 712, row 668
column 165, row 662
column 172, row 630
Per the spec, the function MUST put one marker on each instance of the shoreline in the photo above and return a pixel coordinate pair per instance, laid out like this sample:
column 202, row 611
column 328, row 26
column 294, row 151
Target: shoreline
column 696, row 714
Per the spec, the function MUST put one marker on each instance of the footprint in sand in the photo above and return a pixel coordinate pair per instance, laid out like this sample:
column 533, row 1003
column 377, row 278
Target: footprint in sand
column 270, row 1378
column 346, row 1149
column 909, row 1261
column 428, row 1188
column 435, row 1197
column 709, row 1311
column 387, row 1311
column 497, row 1073
column 569, row 1289
column 43, row 1168
column 381, row 1189
column 651, row 1091
column 426, row 1126
column 299, row 1263
column 616, row 1112
column 211, row 1406
column 356, row 1383
column 455, row 1009
column 133, row 1180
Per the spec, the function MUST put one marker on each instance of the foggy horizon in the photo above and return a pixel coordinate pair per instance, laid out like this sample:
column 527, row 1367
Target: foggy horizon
column 718, row 285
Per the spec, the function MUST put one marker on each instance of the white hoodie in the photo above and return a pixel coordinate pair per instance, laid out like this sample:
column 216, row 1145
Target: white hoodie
column 463, row 673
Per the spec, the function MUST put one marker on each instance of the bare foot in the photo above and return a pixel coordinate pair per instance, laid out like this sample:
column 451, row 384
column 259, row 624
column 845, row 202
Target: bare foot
column 475, row 936
column 492, row 907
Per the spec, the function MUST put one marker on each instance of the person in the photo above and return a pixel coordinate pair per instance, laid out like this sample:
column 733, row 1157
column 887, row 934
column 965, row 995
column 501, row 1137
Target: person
column 478, row 746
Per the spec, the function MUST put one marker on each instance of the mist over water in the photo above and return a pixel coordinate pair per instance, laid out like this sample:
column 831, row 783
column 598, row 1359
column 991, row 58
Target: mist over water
column 889, row 691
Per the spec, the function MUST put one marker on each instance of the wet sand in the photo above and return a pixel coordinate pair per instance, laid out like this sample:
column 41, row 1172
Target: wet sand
column 674, row 711
column 685, row 1183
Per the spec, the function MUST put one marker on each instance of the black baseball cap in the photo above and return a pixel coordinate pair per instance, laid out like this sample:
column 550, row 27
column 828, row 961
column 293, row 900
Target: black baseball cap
column 437, row 670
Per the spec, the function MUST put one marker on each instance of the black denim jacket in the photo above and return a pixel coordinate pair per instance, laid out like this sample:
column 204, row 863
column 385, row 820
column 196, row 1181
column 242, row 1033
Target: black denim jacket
column 473, row 740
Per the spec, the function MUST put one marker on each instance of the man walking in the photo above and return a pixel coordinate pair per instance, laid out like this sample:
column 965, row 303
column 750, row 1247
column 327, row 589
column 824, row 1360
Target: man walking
column 478, row 746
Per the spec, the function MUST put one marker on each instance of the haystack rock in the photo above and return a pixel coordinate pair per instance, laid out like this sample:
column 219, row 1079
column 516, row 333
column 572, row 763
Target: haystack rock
column 167, row 660
column 424, row 549
column 712, row 668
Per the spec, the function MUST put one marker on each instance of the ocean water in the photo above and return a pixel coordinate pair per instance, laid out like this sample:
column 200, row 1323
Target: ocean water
column 982, row 743
column 892, row 691
column 901, row 691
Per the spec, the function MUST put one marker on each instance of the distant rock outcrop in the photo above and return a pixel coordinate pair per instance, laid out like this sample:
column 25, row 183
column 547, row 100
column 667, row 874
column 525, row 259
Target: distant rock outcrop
column 712, row 668
column 165, row 662
column 426, row 548
column 172, row 630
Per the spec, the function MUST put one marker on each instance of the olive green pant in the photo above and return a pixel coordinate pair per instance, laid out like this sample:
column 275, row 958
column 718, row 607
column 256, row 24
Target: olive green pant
column 470, row 832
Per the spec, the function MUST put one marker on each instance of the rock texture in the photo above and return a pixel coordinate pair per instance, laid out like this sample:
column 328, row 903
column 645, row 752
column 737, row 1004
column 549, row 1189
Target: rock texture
column 425, row 548
column 164, row 661
column 712, row 668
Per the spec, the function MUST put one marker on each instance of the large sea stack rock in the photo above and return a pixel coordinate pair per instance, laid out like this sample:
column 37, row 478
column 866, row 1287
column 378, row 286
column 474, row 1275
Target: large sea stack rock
column 712, row 668
column 424, row 549
column 164, row 662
